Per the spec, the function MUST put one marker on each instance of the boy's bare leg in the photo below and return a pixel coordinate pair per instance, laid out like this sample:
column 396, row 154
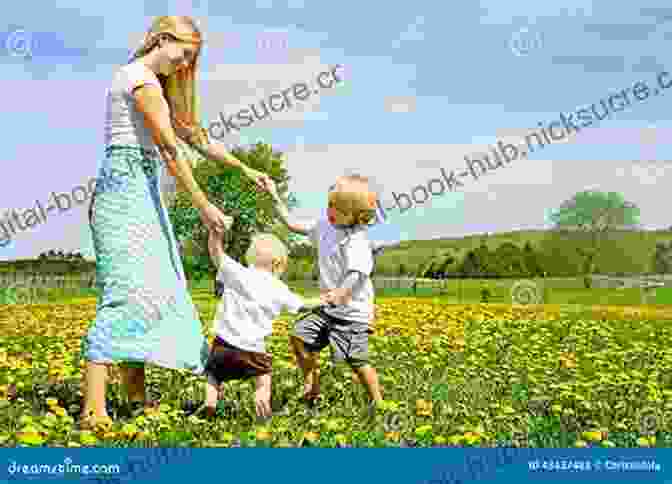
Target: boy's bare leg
column 263, row 396
column 211, row 395
column 309, row 362
column 369, row 378
column 94, row 391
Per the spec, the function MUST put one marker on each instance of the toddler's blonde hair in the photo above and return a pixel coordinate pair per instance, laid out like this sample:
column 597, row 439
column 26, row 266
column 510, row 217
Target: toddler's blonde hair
column 277, row 249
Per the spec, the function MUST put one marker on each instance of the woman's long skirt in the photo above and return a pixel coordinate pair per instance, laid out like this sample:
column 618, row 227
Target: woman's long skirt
column 144, row 312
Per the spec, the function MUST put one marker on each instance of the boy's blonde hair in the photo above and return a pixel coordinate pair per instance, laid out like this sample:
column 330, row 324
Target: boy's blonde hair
column 356, row 198
column 271, row 243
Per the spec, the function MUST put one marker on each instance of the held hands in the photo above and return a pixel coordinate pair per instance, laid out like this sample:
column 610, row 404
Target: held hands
column 263, row 181
column 337, row 297
column 214, row 219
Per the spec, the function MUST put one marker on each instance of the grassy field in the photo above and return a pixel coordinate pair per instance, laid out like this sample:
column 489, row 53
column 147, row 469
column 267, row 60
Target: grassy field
column 457, row 375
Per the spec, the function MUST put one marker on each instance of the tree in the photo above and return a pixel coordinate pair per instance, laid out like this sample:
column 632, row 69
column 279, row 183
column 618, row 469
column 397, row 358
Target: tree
column 662, row 259
column 236, row 196
column 508, row 260
column 486, row 261
column 532, row 264
column 588, row 217
column 470, row 266
column 443, row 265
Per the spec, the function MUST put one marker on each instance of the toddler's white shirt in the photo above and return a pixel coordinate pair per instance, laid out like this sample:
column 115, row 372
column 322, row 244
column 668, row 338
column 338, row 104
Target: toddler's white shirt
column 251, row 300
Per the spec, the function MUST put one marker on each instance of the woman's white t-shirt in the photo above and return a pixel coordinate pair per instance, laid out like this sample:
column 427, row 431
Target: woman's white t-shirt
column 124, row 124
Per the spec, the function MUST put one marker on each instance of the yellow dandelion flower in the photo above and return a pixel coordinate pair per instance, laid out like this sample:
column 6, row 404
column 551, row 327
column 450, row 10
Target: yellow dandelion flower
column 455, row 439
column 87, row 438
column 423, row 408
column 59, row 411
column 31, row 436
column 341, row 439
column 592, row 436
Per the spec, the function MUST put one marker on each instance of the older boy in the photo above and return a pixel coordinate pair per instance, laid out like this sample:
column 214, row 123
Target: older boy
column 345, row 264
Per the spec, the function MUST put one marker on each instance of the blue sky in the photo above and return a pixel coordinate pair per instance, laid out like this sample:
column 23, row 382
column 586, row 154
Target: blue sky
column 423, row 85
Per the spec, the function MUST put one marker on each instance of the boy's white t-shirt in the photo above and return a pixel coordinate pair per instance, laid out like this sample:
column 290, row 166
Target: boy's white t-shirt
column 251, row 300
column 338, row 252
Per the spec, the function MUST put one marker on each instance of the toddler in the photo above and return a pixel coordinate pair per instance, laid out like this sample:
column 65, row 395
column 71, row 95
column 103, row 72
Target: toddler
column 252, row 297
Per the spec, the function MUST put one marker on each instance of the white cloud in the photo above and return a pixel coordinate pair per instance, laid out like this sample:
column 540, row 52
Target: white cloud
column 400, row 104
column 230, row 88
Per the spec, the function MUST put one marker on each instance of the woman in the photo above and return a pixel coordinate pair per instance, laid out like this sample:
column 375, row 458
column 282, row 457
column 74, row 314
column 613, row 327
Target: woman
column 137, row 259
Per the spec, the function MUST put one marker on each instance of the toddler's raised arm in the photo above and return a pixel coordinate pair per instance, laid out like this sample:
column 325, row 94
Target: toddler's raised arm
column 302, row 228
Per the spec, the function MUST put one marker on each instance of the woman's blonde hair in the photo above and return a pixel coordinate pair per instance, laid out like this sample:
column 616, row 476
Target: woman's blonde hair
column 179, row 88
column 278, row 249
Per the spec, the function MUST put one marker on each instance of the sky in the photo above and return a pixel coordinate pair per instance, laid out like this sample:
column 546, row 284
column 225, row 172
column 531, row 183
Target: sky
column 421, row 87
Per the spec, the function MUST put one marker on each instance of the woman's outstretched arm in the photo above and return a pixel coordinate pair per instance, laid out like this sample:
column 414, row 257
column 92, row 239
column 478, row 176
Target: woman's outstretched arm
column 217, row 151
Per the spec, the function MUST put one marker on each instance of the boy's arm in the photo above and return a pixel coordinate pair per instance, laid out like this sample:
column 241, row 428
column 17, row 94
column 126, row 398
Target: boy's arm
column 297, row 304
column 283, row 213
column 215, row 249
column 378, row 247
column 221, row 259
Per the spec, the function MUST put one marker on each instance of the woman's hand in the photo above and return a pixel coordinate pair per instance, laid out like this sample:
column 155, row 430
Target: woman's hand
column 262, row 180
column 185, row 131
column 214, row 219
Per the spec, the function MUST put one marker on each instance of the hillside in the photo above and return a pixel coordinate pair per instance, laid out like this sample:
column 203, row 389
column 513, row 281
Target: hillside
column 638, row 245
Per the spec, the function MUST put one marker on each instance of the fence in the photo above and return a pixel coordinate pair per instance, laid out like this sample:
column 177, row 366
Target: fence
column 631, row 290
column 23, row 287
column 606, row 290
